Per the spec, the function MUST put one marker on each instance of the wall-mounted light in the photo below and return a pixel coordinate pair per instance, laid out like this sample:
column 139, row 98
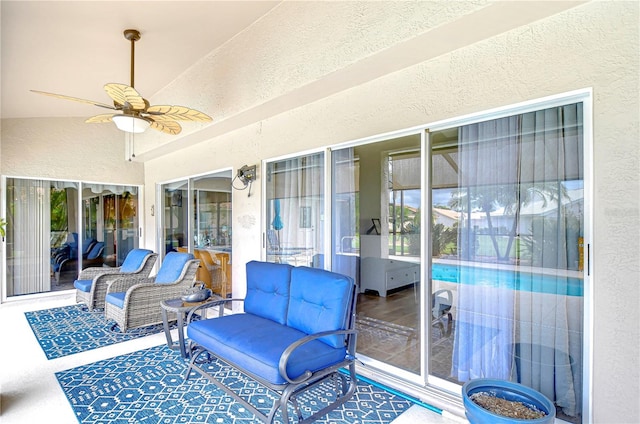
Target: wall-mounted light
column 246, row 175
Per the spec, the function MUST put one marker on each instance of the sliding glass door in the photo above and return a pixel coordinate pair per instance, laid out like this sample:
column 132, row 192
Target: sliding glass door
column 507, row 265
column 376, row 220
column 56, row 228
column 466, row 240
column 196, row 218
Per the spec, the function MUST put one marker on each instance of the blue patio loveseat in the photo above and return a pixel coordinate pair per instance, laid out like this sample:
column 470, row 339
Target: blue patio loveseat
column 297, row 331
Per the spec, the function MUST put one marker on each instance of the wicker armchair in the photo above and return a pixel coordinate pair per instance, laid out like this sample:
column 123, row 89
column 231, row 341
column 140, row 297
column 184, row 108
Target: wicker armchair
column 91, row 285
column 135, row 302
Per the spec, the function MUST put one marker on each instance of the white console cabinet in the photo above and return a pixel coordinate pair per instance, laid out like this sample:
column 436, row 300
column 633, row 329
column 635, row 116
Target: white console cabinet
column 382, row 274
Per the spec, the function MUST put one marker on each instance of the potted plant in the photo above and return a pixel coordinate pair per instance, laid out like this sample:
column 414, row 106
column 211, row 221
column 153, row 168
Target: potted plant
column 505, row 402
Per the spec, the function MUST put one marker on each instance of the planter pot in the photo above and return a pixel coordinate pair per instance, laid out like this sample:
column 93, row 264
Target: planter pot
column 509, row 391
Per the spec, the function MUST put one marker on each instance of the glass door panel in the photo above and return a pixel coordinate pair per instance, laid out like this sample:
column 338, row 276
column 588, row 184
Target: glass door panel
column 211, row 197
column 507, row 274
column 175, row 216
column 295, row 210
column 111, row 222
column 376, row 239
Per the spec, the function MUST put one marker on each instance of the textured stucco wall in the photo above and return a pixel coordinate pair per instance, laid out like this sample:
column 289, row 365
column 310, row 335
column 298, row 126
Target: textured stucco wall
column 66, row 149
column 593, row 45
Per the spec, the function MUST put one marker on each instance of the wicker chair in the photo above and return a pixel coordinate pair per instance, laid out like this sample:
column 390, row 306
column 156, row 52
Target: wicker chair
column 91, row 285
column 135, row 302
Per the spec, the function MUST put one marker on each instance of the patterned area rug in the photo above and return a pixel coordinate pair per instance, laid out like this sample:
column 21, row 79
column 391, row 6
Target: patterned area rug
column 70, row 329
column 148, row 387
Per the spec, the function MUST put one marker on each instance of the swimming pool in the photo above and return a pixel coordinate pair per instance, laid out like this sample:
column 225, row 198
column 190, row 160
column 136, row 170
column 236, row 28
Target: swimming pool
column 510, row 279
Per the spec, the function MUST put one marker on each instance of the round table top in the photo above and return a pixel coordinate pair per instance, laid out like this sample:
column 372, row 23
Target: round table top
column 178, row 305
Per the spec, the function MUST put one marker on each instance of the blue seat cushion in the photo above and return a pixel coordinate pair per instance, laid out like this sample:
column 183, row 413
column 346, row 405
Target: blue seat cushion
column 116, row 299
column 134, row 260
column 83, row 285
column 319, row 302
column 172, row 267
column 268, row 290
column 255, row 344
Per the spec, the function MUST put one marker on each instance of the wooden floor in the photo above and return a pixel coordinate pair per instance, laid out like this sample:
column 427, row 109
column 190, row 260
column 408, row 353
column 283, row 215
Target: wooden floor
column 389, row 332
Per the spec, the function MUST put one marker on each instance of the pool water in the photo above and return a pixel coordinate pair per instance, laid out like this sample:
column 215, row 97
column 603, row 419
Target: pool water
column 510, row 279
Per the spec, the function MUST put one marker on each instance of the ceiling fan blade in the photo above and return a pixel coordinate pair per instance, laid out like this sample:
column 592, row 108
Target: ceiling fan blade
column 100, row 119
column 177, row 113
column 168, row 127
column 75, row 99
column 121, row 94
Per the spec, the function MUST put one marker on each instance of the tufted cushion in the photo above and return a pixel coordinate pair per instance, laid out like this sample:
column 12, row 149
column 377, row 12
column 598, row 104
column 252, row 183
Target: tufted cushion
column 318, row 302
column 255, row 344
column 172, row 267
column 116, row 299
column 134, row 260
column 83, row 285
column 268, row 290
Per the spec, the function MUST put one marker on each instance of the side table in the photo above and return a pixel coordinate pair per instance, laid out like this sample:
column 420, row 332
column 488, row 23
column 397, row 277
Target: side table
column 181, row 309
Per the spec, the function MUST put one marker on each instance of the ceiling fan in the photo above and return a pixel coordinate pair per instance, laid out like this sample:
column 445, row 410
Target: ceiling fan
column 136, row 115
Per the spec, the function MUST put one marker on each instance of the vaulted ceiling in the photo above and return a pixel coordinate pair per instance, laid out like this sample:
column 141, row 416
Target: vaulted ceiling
column 75, row 47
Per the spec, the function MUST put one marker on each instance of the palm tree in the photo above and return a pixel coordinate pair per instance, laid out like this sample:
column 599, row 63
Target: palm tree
column 510, row 197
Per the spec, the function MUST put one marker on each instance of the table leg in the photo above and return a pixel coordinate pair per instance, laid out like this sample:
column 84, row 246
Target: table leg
column 167, row 331
column 183, row 350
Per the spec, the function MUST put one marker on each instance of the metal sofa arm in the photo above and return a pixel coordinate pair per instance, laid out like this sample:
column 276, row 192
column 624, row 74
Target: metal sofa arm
column 284, row 358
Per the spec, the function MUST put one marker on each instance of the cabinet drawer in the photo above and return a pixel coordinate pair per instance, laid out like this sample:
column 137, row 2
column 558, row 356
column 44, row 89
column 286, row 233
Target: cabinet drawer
column 400, row 277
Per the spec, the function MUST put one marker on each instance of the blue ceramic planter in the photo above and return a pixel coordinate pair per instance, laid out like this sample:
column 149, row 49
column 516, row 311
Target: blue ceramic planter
column 509, row 391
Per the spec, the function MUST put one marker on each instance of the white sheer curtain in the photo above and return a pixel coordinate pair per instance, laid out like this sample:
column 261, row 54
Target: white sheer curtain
column 488, row 167
column 28, row 237
column 295, row 189
column 549, row 329
column 520, row 300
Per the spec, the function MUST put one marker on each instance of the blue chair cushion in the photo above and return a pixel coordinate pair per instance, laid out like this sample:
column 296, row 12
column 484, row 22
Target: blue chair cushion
column 318, row 302
column 134, row 260
column 268, row 290
column 116, row 299
column 172, row 267
column 86, row 244
column 83, row 285
column 255, row 344
column 96, row 250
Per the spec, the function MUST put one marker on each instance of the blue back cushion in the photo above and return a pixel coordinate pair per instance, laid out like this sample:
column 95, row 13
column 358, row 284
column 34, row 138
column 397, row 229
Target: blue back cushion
column 172, row 267
column 133, row 261
column 319, row 302
column 86, row 243
column 268, row 290
column 96, row 250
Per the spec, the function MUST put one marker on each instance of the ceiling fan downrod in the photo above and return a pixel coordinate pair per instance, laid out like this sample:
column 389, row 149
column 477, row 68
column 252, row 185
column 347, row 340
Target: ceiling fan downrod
column 132, row 35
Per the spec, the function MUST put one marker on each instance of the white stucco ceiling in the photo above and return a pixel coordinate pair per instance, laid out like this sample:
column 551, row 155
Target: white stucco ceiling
column 75, row 47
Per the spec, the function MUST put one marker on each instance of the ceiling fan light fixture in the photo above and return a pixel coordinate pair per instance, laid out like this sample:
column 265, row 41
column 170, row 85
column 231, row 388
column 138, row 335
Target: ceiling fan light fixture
column 131, row 124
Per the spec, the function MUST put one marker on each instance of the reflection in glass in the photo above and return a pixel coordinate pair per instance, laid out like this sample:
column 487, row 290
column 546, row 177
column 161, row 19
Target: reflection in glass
column 295, row 210
column 49, row 239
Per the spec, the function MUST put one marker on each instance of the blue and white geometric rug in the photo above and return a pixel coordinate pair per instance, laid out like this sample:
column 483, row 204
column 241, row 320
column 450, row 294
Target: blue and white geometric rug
column 70, row 329
column 148, row 386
